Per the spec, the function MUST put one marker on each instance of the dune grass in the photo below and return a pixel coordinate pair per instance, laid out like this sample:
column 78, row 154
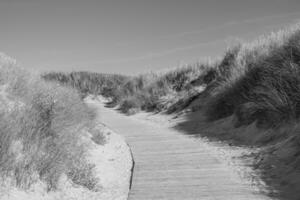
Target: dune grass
column 251, row 96
column 40, row 131
column 149, row 92
column 260, row 81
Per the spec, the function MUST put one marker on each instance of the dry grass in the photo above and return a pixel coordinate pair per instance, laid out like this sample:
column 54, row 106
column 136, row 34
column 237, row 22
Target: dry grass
column 260, row 81
column 40, row 138
column 143, row 92
column 88, row 82
column 98, row 136
column 253, row 97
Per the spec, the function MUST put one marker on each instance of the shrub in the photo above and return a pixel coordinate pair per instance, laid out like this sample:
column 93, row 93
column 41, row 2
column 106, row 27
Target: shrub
column 141, row 92
column 40, row 138
column 129, row 104
column 266, row 89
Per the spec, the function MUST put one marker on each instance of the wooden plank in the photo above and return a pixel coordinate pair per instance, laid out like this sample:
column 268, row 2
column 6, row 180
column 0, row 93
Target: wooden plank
column 170, row 165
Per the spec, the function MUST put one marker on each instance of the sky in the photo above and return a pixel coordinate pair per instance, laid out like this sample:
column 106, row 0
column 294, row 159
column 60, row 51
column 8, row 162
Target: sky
column 132, row 36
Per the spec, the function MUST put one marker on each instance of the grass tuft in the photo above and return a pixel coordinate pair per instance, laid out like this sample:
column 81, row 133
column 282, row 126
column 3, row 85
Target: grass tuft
column 40, row 130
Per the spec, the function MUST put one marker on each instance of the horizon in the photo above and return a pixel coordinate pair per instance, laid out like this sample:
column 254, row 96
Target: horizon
column 132, row 37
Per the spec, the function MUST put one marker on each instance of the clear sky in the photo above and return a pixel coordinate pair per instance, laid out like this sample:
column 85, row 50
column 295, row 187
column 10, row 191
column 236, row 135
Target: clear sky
column 132, row 36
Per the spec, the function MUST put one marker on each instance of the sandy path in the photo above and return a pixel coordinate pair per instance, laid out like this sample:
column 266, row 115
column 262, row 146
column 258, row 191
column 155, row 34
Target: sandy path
column 170, row 165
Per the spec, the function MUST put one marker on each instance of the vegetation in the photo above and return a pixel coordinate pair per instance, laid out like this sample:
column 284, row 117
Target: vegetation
column 251, row 96
column 259, row 83
column 149, row 92
column 89, row 83
column 40, row 130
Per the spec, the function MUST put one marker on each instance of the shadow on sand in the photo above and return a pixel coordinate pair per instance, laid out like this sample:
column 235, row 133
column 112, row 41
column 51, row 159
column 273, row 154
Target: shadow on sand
column 276, row 160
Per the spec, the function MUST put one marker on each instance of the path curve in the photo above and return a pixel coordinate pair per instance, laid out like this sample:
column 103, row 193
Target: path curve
column 170, row 165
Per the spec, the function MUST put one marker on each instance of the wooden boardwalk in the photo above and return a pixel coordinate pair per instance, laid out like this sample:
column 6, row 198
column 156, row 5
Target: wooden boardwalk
column 170, row 165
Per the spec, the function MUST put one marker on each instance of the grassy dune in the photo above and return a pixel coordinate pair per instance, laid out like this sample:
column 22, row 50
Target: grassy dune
column 251, row 96
column 150, row 92
column 255, row 97
column 40, row 129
